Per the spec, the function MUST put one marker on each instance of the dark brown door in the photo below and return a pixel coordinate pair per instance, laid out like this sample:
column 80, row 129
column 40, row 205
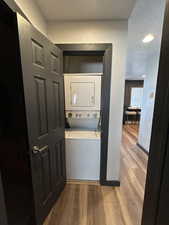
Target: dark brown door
column 3, row 217
column 156, row 201
column 44, row 100
column 163, row 208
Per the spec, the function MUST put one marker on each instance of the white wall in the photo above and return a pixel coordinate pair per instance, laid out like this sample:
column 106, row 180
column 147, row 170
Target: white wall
column 33, row 13
column 102, row 32
column 147, row 17
column 149, row 91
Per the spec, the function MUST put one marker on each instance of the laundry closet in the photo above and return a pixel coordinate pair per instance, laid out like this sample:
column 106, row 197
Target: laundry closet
column 82, row 79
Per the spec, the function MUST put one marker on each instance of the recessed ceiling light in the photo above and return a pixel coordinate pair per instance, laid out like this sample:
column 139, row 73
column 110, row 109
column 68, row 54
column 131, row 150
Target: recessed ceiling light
column 148, row 38
column 143, row 76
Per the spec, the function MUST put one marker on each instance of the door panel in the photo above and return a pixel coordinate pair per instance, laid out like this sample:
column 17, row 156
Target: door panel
column 58, row 169
column 38, row 54
column 41, row 99
column 56, row 105
column 46, row 175
column 55, row 64
column 44, row 100
column 57, row 122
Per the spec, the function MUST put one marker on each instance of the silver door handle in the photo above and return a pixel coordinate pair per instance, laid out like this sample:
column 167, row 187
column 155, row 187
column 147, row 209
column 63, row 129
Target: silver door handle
column 36, row 149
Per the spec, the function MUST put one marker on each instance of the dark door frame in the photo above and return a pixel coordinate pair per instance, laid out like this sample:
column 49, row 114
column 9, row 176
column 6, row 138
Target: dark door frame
column 3, row 216
column 159, row 150
column 104, row 50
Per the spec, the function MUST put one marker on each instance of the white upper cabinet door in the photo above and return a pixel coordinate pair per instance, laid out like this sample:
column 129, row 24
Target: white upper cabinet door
column 82, row 92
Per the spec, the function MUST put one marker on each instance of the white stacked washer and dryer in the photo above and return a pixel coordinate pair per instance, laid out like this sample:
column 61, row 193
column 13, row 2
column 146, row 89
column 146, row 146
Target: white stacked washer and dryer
column 82, row 101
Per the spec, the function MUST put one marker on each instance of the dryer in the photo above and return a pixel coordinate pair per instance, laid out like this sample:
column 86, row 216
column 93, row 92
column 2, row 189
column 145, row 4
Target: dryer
column 82, row 99
column 82, row 91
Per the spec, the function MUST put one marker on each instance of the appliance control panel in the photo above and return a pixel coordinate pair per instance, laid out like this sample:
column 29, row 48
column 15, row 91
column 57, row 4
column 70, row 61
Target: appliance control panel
column 83, row 114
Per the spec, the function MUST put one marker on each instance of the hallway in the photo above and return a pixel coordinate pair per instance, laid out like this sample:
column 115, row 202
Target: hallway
column 90, row 204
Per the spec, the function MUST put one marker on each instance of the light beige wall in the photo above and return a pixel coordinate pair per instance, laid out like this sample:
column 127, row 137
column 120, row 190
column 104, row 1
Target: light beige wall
column 33, row 13
column 102, row 32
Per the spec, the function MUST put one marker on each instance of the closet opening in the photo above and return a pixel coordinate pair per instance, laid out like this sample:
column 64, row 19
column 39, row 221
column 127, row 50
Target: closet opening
column 87, row 75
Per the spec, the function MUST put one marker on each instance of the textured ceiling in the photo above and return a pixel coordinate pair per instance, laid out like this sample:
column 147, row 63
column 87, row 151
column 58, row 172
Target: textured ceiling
column 85, row 9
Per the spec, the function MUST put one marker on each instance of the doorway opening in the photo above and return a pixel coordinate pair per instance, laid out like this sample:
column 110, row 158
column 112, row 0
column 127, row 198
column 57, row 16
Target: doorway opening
column 141, row 94
column 133, row 98
column 87, row 74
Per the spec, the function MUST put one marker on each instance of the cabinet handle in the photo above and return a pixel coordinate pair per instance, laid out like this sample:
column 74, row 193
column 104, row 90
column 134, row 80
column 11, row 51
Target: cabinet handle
column 93, row 100
column 74, row 99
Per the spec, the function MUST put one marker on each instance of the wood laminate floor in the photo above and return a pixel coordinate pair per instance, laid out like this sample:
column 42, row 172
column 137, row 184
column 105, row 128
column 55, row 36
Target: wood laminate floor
column 90, row 204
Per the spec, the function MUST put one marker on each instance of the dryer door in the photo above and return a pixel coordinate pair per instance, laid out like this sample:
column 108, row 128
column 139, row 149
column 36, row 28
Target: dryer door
column 82, row 92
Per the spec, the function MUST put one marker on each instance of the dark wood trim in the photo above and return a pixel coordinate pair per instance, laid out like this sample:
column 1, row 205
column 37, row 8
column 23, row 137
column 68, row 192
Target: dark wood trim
column 105, row 109
column 106, row 51
column 111, row 183
column 84, row 47
column 143, row 149
column 159, row 138
column 87, row 53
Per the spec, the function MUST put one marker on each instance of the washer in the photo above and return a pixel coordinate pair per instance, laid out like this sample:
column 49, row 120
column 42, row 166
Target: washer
column 83, row 155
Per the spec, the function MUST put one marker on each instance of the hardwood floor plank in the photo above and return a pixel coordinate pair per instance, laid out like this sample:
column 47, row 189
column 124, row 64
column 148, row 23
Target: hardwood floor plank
column 95, row 209
column 113, row 211
column 83, row 203
column 88, row 203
